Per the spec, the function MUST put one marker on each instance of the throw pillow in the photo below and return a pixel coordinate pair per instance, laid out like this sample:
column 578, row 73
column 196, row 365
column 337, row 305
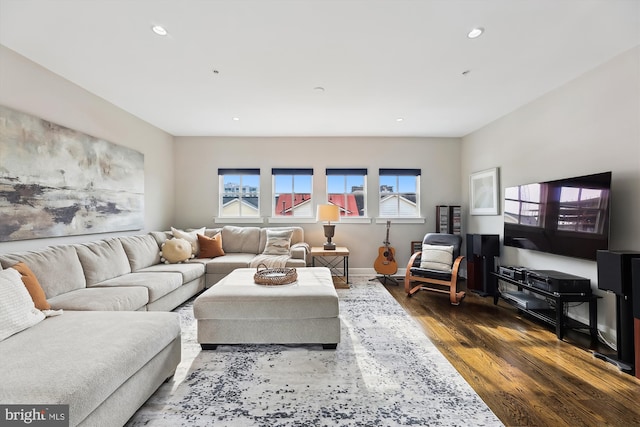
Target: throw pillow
column 436, row 257
column 278, row 242
column 189, row 236
column 175, row 251
column 33, row 286
column 210, row 247
column 17, row 311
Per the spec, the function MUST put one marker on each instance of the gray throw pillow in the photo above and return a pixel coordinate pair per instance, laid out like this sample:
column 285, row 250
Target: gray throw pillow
column 278, row 242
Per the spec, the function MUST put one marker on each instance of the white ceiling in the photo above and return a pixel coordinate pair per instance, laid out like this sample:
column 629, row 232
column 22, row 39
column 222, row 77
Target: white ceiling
column 377, row 60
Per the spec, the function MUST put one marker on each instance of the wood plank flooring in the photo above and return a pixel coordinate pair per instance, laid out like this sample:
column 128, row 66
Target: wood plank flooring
column 520, row 369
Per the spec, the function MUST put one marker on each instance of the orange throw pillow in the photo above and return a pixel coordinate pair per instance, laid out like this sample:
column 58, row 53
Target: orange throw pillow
column 210, row 247
column 33, row 286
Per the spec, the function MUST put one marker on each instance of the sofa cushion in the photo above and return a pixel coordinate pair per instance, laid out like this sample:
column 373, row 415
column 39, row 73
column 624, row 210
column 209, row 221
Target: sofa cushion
column 210, row 232
column 93, row 357
column 102, row 299
column 157, row 284
column 103, row 260
column 228, row 263
column 17, row 311
column 142, row 251
column 240, row 239
column 161, row 236
column 210, row 247
column 33, row 286
column 189, row 270
column 57, row 268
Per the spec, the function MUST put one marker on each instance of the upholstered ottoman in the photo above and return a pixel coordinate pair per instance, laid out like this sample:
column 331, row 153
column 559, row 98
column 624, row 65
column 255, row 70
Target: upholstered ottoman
column 238, row 311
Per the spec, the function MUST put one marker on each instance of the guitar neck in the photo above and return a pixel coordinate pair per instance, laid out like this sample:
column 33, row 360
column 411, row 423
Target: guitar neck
column 386, row 240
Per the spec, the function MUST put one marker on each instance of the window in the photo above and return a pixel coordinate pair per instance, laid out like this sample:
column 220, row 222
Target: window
column 347, row 189
column 582, row 209
column 399, row 193
column 523, row 205
column 239, row 193
column 577, row 209
column 292, row 190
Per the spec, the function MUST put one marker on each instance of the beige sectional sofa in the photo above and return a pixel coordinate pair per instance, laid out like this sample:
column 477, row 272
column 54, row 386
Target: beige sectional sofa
column 106, row 354
column 244, row 247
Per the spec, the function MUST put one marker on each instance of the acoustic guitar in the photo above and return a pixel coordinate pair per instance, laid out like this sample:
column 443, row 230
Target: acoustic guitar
column 386, row 263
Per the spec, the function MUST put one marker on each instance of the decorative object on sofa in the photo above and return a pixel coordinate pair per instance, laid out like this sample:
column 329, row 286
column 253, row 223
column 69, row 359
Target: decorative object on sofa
column 33, row 286
column 61, row 182
column 175, row 251
column 191, row 237
column 17, row 311
column 483, row 192
column 328, row 213
column 437, row 264
column 278, row 242
column 210, row 247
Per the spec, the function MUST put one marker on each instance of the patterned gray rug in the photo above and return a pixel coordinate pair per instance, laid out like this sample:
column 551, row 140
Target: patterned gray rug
column 385, row 372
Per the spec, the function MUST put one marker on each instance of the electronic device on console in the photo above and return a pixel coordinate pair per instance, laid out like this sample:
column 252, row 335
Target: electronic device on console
column 515, row 273
column 556, row 281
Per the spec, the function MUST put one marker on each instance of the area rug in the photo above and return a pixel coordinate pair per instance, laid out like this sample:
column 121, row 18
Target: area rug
column 385, row 372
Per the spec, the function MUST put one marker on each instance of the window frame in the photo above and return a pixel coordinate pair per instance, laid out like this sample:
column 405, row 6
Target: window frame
column 522, row 201
column 397, row 173
column 345, row 173
column 241, row 172
column 293, row 172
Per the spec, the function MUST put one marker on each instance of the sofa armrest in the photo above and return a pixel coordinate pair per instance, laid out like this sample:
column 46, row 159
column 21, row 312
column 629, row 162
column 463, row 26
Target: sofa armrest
column 299, row 251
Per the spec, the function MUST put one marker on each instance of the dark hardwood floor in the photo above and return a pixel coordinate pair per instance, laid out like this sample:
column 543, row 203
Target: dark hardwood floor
column 520, row 369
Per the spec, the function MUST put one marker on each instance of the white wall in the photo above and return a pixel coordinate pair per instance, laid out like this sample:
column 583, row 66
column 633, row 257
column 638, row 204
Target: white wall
column 198, row 160
column 27, row 87
column 589, row 125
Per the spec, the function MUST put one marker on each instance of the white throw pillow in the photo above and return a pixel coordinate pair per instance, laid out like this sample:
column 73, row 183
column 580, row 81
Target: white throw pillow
column 17, row 311
column 278, row 242
column 436, row 257
column 189, row 236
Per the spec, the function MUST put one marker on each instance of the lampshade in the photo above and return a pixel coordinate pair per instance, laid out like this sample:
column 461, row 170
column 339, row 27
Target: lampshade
column 328, row 213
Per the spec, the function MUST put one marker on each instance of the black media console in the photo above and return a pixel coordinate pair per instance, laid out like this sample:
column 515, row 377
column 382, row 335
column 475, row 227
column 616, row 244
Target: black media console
column 557, row 289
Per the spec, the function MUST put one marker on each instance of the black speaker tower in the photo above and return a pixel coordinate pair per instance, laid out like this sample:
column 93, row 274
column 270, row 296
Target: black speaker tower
column 481, row 252
column 635, row 289
column 614, row 275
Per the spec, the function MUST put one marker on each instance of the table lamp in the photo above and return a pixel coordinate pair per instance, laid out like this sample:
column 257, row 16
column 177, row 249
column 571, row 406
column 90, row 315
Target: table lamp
column 328, row 213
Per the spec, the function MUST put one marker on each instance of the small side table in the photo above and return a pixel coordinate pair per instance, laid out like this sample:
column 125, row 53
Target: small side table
column 336, row 260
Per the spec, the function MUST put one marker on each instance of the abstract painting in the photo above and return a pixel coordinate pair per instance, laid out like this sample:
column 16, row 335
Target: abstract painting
column 55, row 181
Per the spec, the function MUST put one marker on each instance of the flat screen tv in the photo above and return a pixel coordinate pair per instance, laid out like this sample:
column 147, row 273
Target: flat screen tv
column 567, row 217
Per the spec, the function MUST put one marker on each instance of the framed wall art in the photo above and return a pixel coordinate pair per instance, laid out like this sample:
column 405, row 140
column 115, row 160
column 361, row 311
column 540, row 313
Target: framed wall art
column 55, row 181
column 483, row 191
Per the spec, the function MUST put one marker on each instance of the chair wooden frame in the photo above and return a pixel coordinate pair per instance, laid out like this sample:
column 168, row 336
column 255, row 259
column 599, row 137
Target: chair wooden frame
column 455, row 296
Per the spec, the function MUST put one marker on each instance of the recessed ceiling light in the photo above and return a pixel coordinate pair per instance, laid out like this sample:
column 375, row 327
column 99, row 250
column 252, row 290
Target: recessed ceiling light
column 318, row 89
column 236, row 119
column 475, row 33
column 400, row 119
column 159, row 30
